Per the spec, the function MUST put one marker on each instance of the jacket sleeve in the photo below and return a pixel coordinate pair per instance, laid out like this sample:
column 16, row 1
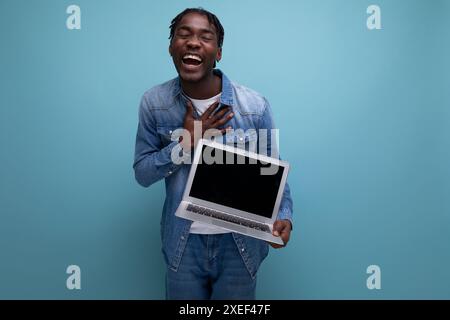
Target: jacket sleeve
column 152, row 160
column 267, row 122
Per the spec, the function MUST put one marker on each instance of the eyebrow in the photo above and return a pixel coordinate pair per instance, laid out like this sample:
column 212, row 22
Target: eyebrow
column 185, row 27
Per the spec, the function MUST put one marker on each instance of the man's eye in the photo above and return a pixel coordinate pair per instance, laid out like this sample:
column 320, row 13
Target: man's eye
column 207, row 38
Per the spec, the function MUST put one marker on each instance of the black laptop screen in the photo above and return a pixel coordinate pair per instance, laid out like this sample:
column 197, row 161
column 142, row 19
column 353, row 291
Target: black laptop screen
column 238, row 184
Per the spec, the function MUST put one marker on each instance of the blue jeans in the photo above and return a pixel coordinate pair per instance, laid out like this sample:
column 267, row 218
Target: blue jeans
column 211, row 268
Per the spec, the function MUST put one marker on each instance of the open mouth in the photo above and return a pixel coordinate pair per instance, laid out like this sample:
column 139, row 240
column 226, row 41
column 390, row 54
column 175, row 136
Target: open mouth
column 192, row 60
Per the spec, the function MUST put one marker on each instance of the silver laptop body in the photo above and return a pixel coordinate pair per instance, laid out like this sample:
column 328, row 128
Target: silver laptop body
column 239, row 200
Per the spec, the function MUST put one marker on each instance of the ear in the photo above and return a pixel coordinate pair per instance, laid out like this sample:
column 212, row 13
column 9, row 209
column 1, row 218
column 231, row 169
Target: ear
column 219, row 55
column 170, row 49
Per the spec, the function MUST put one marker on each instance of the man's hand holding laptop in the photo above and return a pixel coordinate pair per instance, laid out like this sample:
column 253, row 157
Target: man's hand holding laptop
column 281, row 228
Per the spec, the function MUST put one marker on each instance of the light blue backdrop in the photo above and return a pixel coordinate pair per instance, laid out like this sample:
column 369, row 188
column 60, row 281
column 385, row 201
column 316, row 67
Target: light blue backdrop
column 364, row 118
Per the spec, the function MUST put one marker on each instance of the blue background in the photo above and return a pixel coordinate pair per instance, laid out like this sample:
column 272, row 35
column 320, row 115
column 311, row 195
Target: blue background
column 364, row 119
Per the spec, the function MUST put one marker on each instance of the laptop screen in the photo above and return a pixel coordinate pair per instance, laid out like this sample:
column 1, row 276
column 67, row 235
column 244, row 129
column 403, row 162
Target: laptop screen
column 237, row 184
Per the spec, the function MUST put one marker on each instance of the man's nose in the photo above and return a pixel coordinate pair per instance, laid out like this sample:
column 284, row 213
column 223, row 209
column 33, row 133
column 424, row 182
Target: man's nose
column 193, row 42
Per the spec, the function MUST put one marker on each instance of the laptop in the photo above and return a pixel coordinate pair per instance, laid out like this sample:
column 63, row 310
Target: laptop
column 235, row 189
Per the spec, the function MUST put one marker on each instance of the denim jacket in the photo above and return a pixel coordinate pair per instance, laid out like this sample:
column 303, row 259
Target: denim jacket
column 162, row 111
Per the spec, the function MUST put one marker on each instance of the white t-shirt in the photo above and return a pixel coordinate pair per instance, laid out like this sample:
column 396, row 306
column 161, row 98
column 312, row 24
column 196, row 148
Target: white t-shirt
column 199, row 227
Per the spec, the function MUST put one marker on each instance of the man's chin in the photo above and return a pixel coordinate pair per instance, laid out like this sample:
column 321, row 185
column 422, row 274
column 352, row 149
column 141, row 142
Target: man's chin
column 191, row 76
column 194, row 75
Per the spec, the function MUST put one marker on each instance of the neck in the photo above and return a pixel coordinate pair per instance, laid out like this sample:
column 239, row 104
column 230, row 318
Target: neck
column 205, row 88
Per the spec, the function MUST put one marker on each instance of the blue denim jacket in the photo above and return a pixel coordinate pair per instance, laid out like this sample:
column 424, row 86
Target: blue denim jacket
column 161, row 112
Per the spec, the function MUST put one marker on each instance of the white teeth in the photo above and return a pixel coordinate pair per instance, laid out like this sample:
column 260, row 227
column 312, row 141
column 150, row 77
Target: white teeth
column 191, row 56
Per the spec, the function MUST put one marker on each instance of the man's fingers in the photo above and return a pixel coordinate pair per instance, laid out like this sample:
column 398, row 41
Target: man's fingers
column 223, row 120
column 277, row 228
column 225, row 130
column 281, row 228
column 189, row 105
column 210, row 109
column 190, row 109
column 220, row 114
column 214, row 132
column 276, row 246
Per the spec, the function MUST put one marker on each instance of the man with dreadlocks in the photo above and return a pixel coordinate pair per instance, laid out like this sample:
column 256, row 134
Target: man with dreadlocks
column 203, row 262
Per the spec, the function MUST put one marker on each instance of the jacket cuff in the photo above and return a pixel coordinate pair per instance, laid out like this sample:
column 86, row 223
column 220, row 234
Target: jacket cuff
column 285, row 214
column 174, row 147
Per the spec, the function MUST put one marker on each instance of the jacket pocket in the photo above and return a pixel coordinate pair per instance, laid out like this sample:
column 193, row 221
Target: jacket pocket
column 242, row 139
column 166, row 134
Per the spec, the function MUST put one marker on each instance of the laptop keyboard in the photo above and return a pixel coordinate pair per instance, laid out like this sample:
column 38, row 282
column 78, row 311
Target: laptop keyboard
column 229, row 218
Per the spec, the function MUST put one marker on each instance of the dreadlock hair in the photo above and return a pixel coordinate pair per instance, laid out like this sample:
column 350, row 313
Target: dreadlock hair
column 211, row 18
